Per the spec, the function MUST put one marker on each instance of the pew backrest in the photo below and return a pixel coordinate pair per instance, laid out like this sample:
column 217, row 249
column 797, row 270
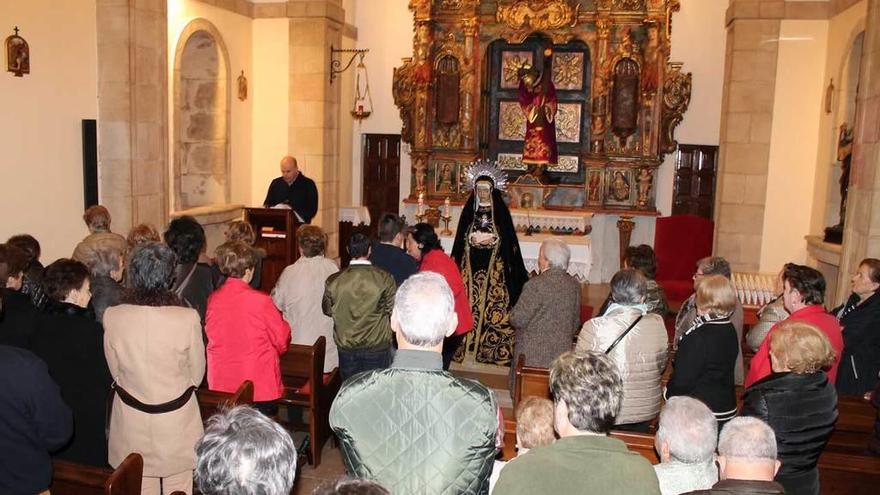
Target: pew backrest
column 70, row 478
column 211, row 401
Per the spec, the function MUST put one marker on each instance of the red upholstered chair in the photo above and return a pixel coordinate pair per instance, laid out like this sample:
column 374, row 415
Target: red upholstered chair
column 679, row 242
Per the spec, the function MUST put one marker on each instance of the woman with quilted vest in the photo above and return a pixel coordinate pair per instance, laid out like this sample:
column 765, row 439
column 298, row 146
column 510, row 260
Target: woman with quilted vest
column 798, row 401
column 637, row 342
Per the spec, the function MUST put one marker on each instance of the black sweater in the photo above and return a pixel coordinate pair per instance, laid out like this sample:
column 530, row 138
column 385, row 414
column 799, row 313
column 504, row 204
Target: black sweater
column 704, row 366
column 33, row 421
column 860, row 361
column 802, row 410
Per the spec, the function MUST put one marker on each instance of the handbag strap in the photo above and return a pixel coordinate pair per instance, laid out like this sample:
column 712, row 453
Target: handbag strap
column 621, row 336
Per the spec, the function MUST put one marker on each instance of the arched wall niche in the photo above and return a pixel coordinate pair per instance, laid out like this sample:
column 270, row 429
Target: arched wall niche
column 201, row 135
column 846, row 83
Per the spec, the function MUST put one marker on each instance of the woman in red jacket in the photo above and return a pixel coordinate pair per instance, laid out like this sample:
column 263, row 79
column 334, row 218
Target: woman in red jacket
column 246, row 333
column 423, row 244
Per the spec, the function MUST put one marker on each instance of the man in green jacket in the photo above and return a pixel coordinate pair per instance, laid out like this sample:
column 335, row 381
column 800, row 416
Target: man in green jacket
column 414, row 427
column 360, row 299
column 588, row 391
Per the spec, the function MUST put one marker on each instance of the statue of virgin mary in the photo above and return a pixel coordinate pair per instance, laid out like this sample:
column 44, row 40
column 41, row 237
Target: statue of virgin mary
column 488, row 254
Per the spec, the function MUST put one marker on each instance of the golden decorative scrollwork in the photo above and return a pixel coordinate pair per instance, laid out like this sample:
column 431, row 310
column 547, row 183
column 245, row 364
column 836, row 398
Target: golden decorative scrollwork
column 676, row 98
column 568, row 71
column 526, row 15
column 510, row 161
column 512, row 122
column 511, row 63
column 565, row 163
column 403, row 91
column 568, row 123
column 630, row 5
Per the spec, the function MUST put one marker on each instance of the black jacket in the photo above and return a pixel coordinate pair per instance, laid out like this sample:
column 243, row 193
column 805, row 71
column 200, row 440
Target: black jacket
column 704, row 367
column 393, row 260
column 106, row 293
column 72, row 345
column 802, row 410
column 33, row 421
column 860, row 361
column 18, row 319
column 194, row 285
column 301, row 196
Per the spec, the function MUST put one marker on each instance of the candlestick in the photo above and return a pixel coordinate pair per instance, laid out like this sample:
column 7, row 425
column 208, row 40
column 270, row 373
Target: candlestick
column 421, row 208
column 447, row 207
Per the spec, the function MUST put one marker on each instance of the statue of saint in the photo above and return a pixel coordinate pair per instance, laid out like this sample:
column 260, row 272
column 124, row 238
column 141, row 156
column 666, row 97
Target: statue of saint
column 619, row 187
column 537, row 98
column 834, row 234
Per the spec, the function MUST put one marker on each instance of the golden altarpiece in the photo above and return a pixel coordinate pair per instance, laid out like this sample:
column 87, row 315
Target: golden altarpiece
column 619, row 98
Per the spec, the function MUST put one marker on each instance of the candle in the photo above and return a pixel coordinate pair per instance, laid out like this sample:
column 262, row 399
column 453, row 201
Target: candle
column 421, row 208
column 446, row 208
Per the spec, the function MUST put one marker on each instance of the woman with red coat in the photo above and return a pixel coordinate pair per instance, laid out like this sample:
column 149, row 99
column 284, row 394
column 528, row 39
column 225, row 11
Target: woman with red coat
column 423, row 244
column 246, row 333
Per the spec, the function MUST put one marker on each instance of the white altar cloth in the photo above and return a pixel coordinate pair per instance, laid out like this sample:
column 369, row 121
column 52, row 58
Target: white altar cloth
column 581, row 254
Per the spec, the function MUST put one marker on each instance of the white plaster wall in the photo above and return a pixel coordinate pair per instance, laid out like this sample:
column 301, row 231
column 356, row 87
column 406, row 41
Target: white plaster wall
column 797, row 109
column 386, row 29
column 236, row 31
column 269, row 94
column 699, row 39
column 40, row 131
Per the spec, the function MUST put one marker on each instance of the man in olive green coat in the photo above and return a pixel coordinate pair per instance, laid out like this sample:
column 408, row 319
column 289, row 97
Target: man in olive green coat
column 414, row 427
column 588, row 391
column 360, row 299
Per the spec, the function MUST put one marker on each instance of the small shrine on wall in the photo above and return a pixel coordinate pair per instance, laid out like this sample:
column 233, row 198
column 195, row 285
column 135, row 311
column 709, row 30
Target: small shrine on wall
column 576, row 99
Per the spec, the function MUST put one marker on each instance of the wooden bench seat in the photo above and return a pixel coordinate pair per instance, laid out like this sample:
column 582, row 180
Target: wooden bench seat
column 211, row 401
column 70, row 478
column 307, row 386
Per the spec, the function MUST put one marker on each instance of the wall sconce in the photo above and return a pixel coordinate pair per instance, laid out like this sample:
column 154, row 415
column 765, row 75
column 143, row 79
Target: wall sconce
column 335, row 63
column 829, row 97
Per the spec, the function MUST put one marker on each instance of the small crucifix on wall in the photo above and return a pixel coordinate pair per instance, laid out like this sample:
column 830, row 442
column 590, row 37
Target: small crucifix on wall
column 18, row 56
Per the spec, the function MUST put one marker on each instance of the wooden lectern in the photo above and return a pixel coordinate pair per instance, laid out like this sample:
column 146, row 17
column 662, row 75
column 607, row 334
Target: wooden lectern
column 276, row 234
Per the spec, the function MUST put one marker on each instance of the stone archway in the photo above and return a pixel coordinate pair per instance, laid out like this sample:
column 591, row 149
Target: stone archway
column 201, row 123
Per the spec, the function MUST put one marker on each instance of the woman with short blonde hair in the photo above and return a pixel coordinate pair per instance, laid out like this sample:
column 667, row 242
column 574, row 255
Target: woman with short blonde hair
column 798, row 401
column 707, row 351
column 534, row 423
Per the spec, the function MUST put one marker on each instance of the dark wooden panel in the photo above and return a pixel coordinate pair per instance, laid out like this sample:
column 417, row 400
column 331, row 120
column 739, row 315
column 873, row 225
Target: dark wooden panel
column 696, row 167
column 381, row 166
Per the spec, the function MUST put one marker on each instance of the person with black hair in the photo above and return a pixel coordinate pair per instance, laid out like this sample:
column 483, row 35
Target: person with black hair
column 424, row 246
column 194, row 281
column 360, row 299
column 71, row 344
column 803, row 295
column 387, row 253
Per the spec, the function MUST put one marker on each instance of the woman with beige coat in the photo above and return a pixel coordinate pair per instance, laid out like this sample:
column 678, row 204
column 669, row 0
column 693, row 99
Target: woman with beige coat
column 636, row 341
column 156, row 356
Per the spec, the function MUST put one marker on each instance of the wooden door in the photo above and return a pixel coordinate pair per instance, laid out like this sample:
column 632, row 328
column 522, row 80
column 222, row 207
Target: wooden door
column 695, row 169
column 381, row 165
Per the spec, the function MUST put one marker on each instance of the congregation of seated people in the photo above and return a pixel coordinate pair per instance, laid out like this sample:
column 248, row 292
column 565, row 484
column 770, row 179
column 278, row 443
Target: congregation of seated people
column 102, row 354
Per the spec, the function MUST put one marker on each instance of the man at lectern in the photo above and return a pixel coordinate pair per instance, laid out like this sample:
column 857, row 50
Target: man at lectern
column 293, row 190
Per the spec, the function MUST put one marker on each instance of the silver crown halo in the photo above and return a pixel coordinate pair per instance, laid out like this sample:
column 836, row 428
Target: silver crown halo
column 485, row 169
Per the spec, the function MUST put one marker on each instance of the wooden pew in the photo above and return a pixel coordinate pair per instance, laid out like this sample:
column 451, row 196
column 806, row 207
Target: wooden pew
column 70, row 478
column 306, row 386
column 529, row 381
column 211, row 401
column 839, row 472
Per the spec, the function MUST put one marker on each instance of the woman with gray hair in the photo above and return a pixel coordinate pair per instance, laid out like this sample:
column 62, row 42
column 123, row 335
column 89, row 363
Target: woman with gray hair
column 637, row 342
column 156, row 356
column 686, row 439
column 245, row 453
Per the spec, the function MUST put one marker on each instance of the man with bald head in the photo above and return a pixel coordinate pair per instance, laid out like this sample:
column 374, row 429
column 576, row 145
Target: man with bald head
column 294, row 190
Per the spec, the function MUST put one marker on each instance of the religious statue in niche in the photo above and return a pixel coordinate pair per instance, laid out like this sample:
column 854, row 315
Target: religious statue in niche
column 444, row 178
column 644, row 183
column 242, row 87
column 595, row 193
column 620, row 187
column 448, row 80
column 537, row 98
column 625, row 100
column 650, row 67
column 834, row 234
column 18, row 55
